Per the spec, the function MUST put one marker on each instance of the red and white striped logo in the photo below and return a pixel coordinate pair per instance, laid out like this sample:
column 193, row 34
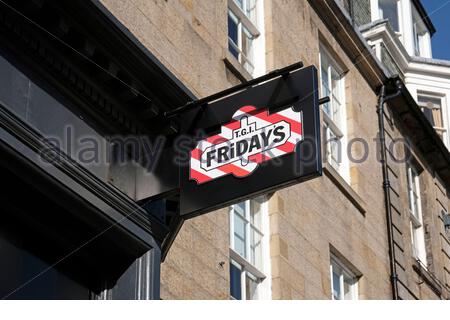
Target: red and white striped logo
column 251, row 138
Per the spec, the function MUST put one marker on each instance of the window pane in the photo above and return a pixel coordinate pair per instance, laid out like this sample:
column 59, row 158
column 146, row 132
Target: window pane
column 336, row 285
column 240, row 3
column 233, row 34
column 334, row 143
column 410, row 189
column 250, row 10
column 335, row 83
column 325, row 85
column 239, row 235
column 413, row 239
column 247, row 50
column 336, row 96
column 326, row 93
column 389, row 10
column 344, row 281
column 335, row 111
column 255, row 248
column 429, row 115
column 413, row 193
column 251, row 286
column 240, row 208
column 246, row 43
column 235, row 281
column 348, row 292
column 416, row 39
column 232, row 27
column 419, row 30
column 255, row 213
column 232, row 48
column 415, row 234
column 432, row 108
column 331, row 86
column 416, row 206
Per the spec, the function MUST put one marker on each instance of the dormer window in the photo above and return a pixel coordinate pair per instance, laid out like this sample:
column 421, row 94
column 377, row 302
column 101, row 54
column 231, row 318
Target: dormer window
column 431, row 106
column 421, row 36
column 388, row 9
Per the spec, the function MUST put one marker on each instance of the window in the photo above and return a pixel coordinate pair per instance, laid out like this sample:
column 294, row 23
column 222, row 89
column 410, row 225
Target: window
column 332, row 85
column 242, row 31
column 243, row 285
column 415, row 214
column 344, row 283
column 432, row 108
column 388, row 9
column 246, row 242
column 421, row 36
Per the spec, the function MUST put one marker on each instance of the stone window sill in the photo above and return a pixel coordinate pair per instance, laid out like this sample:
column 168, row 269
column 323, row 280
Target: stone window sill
column 427, row 277
column 345, row 188
column 236, row 68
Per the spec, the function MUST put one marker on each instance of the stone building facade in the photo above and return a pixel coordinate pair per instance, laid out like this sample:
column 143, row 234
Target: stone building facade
column 329, row 237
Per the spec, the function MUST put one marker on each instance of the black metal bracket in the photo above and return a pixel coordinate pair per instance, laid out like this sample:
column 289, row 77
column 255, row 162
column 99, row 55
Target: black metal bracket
column 283, row 72
column 324, row 100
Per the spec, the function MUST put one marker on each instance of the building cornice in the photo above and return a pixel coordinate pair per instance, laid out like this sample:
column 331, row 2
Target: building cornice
column 381, row 31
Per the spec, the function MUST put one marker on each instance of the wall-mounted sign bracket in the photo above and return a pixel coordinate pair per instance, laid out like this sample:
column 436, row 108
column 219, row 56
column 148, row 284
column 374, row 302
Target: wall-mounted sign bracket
column 283, row 72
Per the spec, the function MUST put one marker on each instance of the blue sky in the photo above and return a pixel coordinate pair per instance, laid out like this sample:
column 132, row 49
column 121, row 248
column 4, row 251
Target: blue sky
column 439, row 13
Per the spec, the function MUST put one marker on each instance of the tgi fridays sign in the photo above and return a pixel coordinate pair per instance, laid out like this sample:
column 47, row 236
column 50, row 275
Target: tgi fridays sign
column 255, row 141
column 253, row 137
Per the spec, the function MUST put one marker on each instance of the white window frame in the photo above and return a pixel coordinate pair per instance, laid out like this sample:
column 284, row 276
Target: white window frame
column 376, row 14
column 247, row 271
column 421, row 40
column 243, row 21
column 441, row 98
column 335, row 127
column 415, row 214
column 335, row 263
column 258, row 273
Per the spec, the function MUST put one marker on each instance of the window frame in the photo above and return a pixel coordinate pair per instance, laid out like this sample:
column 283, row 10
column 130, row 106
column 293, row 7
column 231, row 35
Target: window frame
column 415, row 213
column 245, row 264
column 244, row 25
column 246, row 270
column 336, row 263
column 434, row 96
column 249, row 227
column 421, row 40
column 399, row 15
column 336, row 127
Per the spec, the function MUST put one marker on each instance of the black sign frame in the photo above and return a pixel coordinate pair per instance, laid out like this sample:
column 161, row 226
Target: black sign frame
column 297, row 89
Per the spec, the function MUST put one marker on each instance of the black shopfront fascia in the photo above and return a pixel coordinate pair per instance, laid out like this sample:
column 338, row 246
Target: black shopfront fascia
column 67, row 231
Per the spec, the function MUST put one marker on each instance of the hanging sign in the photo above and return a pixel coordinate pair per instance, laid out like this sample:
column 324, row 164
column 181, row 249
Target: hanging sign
column 257, row 140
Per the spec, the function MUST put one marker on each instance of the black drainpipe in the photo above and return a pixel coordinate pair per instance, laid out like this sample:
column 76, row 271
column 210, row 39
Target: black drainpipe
column 382, row 99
